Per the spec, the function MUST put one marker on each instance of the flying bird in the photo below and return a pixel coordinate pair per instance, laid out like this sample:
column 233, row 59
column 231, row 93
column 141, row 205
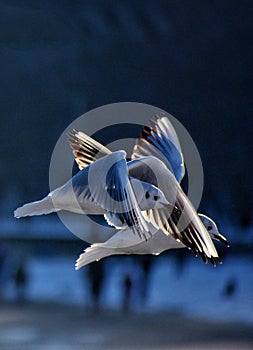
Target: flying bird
column 142, row 196
column 104, row 187
column 177, row 227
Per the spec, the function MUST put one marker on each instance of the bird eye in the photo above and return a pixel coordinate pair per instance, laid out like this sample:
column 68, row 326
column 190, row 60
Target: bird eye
column 147, row 195
column 209, row 228
column 156, row 198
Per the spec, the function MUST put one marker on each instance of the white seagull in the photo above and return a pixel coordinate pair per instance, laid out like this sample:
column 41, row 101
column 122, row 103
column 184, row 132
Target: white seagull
column 132, row 197
column 104, row 187
column 159, row 149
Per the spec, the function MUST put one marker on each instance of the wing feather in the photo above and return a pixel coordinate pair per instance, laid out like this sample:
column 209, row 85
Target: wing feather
column 111, row 189
column 160, row 140
column 181, row 222
column 85, row 149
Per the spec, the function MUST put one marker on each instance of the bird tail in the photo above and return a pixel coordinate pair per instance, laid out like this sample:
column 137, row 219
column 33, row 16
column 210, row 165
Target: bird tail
column 44, row 206
column 93, row 253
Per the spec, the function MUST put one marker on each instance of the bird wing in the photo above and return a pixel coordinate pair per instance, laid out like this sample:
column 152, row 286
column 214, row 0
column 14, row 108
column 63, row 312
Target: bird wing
column 85, row 149
column 107, row 184
column 160, row 140
column 181, row 221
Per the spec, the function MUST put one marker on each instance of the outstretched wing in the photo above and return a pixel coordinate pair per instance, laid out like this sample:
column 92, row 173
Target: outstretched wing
column 85, row 149
column 181, row 221
column 160, row 140
column 108, row 185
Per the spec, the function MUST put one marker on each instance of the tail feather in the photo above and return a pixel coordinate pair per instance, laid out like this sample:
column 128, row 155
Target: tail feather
column 93, row 253
column 44, row 206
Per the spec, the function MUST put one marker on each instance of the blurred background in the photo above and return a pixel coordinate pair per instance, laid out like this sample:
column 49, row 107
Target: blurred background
column 61, row 59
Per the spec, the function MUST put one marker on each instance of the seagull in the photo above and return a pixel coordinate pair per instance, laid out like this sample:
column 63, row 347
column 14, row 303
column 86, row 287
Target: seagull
column 127, row 194
column 124, row 242
column 158, row 148
column 103, row 188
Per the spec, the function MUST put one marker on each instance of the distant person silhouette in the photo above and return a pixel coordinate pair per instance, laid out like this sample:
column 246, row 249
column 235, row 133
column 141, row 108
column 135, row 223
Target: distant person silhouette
column 127, row 288
column 230, row 288
column 146, row 264
column 20, row 279
column 96, row 278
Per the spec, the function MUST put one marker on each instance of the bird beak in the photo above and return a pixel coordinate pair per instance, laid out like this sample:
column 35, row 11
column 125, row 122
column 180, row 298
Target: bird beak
column 163, row 203
column 222, row 239
column 158, row 205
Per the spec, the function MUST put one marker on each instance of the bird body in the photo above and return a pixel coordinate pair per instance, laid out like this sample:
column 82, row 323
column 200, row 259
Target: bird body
column 124, row 242
column 102, row 188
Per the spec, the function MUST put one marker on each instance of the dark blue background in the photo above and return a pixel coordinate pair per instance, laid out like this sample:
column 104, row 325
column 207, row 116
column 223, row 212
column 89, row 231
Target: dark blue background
column 59, row 59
